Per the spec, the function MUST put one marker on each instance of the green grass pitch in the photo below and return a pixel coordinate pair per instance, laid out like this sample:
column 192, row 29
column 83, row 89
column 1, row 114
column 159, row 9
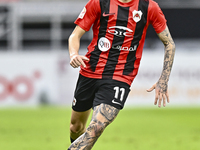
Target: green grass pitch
column 47, row 128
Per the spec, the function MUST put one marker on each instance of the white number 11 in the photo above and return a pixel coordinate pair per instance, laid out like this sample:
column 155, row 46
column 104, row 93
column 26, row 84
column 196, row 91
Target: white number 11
column 117, row 90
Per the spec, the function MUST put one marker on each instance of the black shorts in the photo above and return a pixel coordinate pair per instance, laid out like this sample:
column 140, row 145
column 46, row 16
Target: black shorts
column 91, row 92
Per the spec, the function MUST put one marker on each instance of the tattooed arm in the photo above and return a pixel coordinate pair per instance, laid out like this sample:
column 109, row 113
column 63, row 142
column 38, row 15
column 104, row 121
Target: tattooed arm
column 161, row 87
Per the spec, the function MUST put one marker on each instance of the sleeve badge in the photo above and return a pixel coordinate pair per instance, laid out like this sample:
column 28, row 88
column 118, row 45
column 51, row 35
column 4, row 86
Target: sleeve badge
column 82, row 14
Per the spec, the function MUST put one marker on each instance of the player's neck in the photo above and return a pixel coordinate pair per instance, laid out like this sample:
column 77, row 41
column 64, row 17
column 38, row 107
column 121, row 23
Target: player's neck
column 124, row 1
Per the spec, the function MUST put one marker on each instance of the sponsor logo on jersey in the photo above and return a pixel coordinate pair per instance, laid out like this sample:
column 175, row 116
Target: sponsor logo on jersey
column 104, row 44
column 82, row 14
column 120, row 31
column 137, row 15
column 121, row 48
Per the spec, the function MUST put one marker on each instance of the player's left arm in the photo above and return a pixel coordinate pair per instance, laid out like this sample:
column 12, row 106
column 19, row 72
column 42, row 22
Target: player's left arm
column 161, row 87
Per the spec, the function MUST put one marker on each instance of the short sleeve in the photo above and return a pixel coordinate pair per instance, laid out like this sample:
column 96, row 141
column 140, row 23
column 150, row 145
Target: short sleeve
column 156, row 17
column 88, row 15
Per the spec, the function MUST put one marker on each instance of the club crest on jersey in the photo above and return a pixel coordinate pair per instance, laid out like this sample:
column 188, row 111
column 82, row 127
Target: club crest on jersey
column 104, row 44
column 137, row 15
column 82, row 14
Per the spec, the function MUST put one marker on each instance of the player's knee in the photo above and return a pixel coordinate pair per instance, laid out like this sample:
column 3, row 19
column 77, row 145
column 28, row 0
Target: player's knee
column 76, row 128
column 96, row 128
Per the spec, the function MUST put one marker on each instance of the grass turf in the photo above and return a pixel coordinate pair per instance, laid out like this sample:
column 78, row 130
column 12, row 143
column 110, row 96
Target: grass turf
column 47, row 128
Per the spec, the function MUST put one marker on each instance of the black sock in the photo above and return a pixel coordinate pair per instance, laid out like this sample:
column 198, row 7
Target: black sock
column 72, row 140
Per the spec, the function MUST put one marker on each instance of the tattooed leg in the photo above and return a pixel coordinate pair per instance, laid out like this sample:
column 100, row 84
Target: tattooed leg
column 103, row 115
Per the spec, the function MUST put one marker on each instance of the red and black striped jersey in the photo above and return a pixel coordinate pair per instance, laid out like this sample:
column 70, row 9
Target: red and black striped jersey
column 119, row 31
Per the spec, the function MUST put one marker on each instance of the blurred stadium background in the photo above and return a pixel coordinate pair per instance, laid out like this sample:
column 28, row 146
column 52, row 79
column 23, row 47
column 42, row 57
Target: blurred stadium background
column 35, row 71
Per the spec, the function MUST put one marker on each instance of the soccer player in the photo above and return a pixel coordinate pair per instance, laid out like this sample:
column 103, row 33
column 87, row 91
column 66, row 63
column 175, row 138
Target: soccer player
column 112, row 62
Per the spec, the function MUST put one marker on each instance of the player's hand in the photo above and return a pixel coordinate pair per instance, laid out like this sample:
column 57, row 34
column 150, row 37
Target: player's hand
column 161, row 95
column 78, row 60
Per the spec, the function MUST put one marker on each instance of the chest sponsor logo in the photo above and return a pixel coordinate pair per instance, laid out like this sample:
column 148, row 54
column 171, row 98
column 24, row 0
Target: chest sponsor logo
column 82, row 14
column 120, row 31
column 137, row 15
column 104, row 44
column 121, row 48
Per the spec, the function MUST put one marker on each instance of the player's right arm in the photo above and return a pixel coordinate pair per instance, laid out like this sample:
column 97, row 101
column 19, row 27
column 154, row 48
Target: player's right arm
column 76, row 60
column 90, row 13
